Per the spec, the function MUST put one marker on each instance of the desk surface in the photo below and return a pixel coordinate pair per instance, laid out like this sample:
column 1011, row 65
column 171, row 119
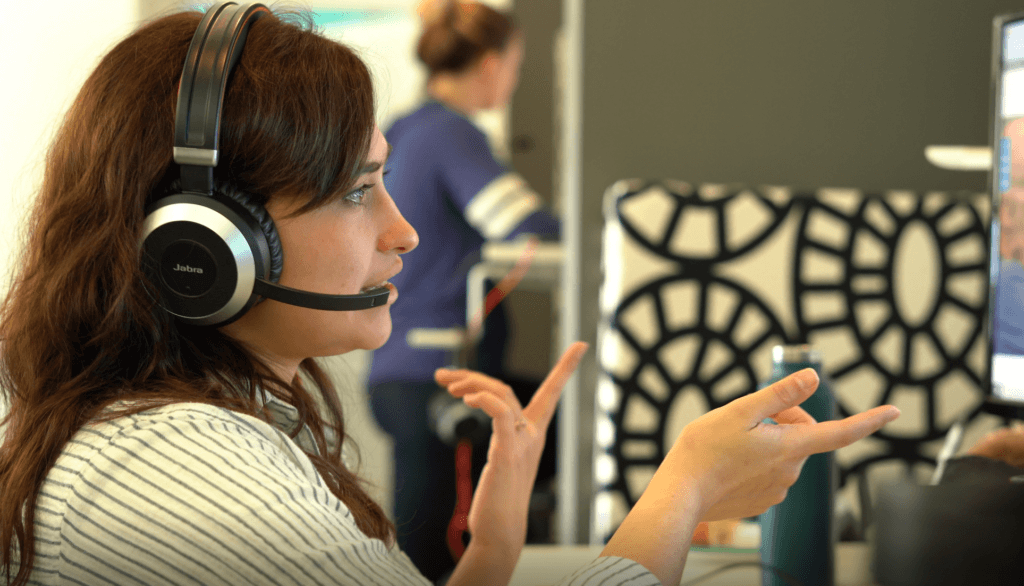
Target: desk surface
column 542, row 565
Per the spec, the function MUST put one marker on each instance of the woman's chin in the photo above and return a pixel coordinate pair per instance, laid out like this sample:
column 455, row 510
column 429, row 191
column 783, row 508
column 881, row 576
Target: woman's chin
column 359, row 334
column 377, row 338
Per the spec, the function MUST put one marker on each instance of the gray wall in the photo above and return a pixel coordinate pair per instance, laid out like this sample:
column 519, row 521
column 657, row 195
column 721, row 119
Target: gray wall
column 532, row 115
column 803, row 92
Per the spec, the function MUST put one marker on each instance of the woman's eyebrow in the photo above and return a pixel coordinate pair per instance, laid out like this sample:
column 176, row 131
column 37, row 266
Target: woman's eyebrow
column 371, row 167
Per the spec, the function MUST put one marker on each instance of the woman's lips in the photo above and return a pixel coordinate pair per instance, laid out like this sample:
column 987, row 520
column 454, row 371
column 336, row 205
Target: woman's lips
column 377, row 286
column 392, row 290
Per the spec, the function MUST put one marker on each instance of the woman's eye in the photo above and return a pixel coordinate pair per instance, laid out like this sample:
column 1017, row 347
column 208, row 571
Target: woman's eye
column 358, row 195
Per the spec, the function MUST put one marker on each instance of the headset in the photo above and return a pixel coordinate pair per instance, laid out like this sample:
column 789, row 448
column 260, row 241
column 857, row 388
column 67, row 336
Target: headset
column 210, row 248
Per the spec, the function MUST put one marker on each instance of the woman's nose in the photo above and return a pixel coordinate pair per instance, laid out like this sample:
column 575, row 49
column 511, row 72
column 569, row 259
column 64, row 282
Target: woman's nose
column 399, row 234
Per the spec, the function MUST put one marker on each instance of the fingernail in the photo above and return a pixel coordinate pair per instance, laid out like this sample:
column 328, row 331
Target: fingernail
column 892, row 414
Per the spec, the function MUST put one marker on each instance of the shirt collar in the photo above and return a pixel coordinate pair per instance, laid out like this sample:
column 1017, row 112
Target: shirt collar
column 285, row 417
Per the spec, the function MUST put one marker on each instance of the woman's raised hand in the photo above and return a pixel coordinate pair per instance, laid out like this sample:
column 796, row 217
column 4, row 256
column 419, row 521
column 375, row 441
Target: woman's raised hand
column 745, row 465
column 497, row 518
column 729, row 463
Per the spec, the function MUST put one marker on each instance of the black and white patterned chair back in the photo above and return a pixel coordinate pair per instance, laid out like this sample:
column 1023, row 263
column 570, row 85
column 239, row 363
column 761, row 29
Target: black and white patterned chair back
column 700, row 282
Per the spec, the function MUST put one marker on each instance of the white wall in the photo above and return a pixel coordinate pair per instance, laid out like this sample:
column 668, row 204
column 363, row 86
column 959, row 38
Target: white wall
column 51, row 47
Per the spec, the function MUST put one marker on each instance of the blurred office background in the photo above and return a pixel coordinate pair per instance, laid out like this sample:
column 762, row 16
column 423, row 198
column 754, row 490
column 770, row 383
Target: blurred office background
column 802, row 93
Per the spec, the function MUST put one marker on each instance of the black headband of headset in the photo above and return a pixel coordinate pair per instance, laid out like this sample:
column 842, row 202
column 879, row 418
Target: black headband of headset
column 215, row 49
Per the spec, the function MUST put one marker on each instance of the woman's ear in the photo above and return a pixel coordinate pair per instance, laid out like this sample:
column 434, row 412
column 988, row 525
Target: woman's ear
column 490, row 65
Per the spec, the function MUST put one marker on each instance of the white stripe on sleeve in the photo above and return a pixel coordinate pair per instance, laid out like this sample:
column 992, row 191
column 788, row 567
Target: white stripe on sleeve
column 612, row 571
column 501, row 205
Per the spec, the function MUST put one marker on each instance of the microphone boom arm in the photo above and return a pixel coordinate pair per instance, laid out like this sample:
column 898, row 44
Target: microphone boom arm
column 372, row 298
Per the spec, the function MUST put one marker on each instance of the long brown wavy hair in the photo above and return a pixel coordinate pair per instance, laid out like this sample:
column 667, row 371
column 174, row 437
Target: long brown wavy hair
column 80, row 330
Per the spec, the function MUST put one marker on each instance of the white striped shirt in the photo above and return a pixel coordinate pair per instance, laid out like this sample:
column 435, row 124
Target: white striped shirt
column 194, row 494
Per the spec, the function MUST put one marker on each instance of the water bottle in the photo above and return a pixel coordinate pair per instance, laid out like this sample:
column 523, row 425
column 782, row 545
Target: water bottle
column 797, row 535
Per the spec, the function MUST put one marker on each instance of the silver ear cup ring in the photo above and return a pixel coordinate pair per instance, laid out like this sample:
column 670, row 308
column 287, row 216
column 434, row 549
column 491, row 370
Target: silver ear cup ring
column 202, row 261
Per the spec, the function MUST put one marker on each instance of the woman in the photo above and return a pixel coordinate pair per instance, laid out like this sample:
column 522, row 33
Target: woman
column 140, row 448
column 457, row 194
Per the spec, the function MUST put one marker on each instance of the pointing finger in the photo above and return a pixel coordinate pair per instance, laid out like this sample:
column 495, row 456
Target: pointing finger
column 832, row 435
column 794, row 415
column 444, row 376
column 545, row 400
column 780, row 396
column 501, row 414
column 482, row 382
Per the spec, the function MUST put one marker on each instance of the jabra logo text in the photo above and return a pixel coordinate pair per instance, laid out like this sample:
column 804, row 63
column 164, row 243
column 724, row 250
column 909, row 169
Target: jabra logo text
column 187, row 269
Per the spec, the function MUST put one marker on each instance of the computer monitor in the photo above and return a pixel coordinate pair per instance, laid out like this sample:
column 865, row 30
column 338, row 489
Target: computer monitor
column 1006, row 269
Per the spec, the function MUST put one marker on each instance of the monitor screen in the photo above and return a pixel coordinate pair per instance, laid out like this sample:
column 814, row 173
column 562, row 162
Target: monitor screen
column 1006, row 308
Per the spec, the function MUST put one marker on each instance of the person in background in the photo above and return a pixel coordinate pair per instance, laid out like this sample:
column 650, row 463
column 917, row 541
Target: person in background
column 142, row 449
column 452, row 188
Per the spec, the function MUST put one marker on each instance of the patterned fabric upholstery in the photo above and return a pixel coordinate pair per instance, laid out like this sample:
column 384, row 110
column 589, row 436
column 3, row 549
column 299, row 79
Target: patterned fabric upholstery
column 700, row 282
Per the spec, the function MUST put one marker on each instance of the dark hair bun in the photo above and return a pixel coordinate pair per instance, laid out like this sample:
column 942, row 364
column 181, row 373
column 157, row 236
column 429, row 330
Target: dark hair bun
column 456, row 34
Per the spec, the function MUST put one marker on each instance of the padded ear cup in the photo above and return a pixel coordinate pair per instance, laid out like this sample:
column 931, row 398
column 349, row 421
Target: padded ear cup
column 263, row 219
column 205, row 253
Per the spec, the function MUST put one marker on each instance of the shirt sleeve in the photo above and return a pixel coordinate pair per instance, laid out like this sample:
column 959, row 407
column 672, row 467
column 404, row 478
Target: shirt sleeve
column 612, row 571
column 495, row 201
column 201, row 497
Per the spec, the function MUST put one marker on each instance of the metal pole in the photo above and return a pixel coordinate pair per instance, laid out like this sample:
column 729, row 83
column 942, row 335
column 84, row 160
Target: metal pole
column 573, row 511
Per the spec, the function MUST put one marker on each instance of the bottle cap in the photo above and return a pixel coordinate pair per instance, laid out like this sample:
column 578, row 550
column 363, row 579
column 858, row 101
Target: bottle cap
column 795, row 354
